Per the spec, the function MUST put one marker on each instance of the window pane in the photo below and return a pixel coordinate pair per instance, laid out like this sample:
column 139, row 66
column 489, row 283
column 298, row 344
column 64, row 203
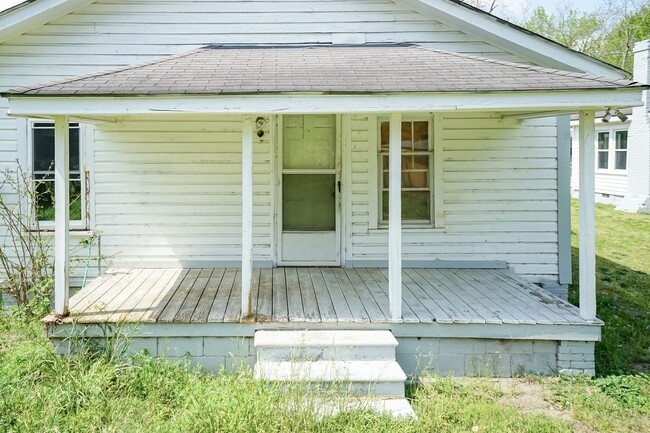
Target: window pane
column 385, row 136
column 407, row 136
column 309, row 202
column 43, row 148
column 421, row 135
column 309, row 142
column 603, row 160
column 416, row 205
column 621, row 160
column 621, row 139
column 415, row 171
column 603, row 140
column 45, row 200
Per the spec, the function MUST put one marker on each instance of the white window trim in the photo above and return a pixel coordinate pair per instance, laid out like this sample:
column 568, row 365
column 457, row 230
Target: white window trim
column 86, row 136
column 434, row 223
column 611, row 149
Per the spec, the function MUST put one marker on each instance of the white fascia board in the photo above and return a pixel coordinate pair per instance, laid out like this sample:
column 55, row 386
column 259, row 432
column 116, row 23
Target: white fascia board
column 31, row 15
column 495, row 30
column 88, row 106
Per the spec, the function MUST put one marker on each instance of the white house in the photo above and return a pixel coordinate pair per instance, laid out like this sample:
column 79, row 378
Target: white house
column 622, row 149
column 368, row 165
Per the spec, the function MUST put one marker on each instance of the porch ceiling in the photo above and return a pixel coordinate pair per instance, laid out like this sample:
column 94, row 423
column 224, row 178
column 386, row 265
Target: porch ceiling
column 314, row 79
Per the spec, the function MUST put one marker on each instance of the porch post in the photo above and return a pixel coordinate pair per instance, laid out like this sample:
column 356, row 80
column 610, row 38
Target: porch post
column 587, row 242
column 395, row 217
column 62, row 213
column 247, row 215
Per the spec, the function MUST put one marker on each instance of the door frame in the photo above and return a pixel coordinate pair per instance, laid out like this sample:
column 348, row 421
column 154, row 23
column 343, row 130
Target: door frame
column 277, row 200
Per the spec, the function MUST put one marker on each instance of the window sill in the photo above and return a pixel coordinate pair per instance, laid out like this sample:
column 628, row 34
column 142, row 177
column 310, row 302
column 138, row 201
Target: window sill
column 410, row 229
column 74, row 232
column 612, row 172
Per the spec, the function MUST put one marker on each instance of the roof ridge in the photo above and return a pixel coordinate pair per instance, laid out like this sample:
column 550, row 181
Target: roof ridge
column 582, row 75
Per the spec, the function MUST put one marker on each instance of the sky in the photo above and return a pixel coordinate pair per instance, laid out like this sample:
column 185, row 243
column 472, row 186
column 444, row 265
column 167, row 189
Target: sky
column 517, row 8
column 510, row 8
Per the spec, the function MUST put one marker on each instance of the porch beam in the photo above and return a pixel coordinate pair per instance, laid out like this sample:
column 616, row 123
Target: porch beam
column 247, row 215
column 587, row 241
column 395, row 217
column 502, row 102
column 61, row 214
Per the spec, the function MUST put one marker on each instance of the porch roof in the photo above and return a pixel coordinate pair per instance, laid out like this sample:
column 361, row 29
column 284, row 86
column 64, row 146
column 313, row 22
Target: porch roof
column 361, row 69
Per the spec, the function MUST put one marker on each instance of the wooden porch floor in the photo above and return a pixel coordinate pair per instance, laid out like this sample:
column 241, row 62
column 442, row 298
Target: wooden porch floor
column 317, row 295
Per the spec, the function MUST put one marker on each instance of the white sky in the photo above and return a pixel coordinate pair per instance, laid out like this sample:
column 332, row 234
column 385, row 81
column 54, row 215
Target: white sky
column 517, row 9
column 510, row 8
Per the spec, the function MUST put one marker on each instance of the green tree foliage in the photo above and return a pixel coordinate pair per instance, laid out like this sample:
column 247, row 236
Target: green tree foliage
column 578, row 30
column 619, row 43
column 608, row 34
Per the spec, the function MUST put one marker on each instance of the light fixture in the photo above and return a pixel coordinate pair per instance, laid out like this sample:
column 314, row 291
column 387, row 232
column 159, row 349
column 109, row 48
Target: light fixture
column 259, row 124
column 607, row 117
column 622, row 117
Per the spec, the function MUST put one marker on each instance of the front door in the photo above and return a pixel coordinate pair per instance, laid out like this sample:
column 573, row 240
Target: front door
column 309, row 190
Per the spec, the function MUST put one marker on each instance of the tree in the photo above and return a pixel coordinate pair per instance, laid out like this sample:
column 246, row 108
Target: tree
column 581, row 31
column 634, row 27
column 609, row 34
column 486, row 5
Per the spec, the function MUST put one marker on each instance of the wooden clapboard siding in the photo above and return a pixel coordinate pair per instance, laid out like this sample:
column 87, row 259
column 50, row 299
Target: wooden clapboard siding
column 108, row 34
column 345, row 296
column 167, row 190
column 500, row 195
column 170, row 191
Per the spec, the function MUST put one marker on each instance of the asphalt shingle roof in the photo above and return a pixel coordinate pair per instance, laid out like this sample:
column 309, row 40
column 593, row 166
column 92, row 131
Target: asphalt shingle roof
column 323, row 69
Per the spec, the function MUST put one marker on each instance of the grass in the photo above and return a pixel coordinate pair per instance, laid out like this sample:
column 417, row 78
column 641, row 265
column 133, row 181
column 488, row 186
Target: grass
column 623, row 288
column 43, row 392
column 91, row 392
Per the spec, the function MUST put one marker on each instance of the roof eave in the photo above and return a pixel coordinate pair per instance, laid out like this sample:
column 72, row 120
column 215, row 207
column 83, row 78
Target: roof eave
column 33, row 13
column 567, row 101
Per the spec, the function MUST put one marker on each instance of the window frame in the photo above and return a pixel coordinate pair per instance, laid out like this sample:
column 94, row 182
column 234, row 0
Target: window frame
column 611, row 150
column 406, row 223
column 84, row 177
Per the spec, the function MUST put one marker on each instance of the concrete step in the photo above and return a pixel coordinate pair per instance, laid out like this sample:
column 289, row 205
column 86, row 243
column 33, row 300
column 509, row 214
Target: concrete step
column 374, row 378
column 325, row 345
column 396, row 407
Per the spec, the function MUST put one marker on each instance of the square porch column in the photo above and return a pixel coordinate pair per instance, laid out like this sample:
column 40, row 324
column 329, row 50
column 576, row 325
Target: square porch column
column 587, row 243
column 247, row 215
column 395, row 217
column 61, row 214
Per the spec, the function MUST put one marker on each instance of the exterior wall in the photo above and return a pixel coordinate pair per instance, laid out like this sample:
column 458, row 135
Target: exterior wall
column 500, row 195
column 168, row 192
column 158, row 208
column 417, row 356
column 161, row 209
column 109, row 34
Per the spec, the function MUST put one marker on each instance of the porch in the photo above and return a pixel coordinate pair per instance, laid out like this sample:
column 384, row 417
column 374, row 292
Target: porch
column 455, row 321
column 318, row 295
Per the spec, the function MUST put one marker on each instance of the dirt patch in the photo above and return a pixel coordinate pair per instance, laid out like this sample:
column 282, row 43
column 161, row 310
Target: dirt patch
column 531, row 397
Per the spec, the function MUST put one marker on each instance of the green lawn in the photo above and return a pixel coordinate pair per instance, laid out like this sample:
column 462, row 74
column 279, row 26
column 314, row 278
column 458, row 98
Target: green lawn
column 623, row 288
column 43, row 392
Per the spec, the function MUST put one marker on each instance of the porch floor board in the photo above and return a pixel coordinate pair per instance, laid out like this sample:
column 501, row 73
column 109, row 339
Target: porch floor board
column 317, row 295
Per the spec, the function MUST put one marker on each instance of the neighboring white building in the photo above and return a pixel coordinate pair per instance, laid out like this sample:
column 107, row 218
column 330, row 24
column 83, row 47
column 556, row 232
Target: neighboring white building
column 622, row 149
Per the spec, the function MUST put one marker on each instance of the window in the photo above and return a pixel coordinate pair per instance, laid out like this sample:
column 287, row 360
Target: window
column 603, row 150
column 417, row 163
column 42, row 165
column 612, row 150
column 621, row 151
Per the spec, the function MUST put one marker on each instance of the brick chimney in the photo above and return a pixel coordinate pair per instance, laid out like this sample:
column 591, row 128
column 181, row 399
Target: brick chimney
column 638, row 154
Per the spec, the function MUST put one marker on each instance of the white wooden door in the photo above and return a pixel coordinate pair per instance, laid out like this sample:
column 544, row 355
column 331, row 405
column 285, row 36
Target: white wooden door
column 309, row 221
